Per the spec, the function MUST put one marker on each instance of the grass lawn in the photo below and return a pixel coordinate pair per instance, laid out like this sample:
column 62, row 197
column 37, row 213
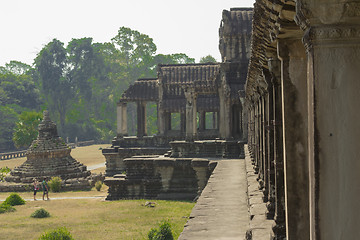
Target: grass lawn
column 94, row 218
column 91, row 218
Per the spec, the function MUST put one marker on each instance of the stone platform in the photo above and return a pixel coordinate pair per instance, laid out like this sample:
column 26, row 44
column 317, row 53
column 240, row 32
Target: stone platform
column 208, row 148
column 221, row 212
column 159, row 177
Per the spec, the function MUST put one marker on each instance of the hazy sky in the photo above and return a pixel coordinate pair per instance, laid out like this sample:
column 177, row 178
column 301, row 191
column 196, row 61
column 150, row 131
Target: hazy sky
column 182, row 26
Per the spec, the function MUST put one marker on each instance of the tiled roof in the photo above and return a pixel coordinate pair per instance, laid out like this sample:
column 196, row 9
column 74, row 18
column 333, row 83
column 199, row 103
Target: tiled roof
column 142, row 90
column 183, row 74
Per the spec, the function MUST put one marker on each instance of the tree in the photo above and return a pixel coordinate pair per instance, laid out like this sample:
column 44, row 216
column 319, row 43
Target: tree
column 8, row 117
column 26, row 128
column 208, row 59
column 16, row 67
column 51, row 65
column 136, row 50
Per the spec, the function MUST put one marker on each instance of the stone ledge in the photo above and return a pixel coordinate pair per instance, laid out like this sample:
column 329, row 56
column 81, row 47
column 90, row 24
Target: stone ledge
column 260, row 228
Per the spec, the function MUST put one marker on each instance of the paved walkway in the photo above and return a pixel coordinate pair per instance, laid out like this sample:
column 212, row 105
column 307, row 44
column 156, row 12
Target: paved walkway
column 221, row 212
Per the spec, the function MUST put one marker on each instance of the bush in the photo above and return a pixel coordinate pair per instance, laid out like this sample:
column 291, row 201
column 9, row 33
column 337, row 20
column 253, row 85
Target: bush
column 6, row 208
column 98, row 185
column 57, row 234
column 163, row 233
column 3, row 172
column 40, row 213
column 55, row 184
column 13, row 200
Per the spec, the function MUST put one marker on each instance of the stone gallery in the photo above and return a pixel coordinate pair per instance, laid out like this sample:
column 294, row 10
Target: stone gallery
column 296, row 114
column 195, row 92
column 302, row 86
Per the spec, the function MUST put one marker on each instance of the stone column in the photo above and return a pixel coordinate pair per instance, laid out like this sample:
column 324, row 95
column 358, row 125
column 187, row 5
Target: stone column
column 270, row 180
column 141, row 119
column 279, row 229
column 191, row 115
column 332, row 38
column 261, row 140
column 202, row 120
column 225, row 112
column 292, row 54
column 167, row 117
column 161, row 120
column 182, row 123
column 121, row 111
column 257, row 136
column 214, row 121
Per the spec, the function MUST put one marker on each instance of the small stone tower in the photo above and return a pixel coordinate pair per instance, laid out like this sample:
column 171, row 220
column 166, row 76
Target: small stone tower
column 48, row 156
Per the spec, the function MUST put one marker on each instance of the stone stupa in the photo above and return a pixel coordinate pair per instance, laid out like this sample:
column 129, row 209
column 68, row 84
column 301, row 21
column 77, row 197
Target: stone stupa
column 48, row 156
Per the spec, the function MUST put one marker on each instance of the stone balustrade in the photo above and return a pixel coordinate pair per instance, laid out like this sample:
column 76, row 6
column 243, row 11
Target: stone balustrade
column 11, row 155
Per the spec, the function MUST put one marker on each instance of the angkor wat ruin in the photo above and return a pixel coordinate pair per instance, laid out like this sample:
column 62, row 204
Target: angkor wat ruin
column 194, row 91
column 295, row 111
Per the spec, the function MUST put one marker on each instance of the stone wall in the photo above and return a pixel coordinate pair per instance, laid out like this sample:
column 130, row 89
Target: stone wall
column 208, row 148
column 153, row 177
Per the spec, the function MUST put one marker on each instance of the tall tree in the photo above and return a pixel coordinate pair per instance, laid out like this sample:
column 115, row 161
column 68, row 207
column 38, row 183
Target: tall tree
column 137, row 49
column 51, row 65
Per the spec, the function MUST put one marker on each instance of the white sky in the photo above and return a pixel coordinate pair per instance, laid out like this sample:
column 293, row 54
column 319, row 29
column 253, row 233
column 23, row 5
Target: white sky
column 181, row 26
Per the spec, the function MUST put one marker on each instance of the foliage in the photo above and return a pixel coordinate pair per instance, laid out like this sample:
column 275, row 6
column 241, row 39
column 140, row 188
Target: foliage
column 18, row 92
column 3, row 172
column 80, row 84
column 57, row 234
column 13, row 200
column 50, row 64
column 98, row 185
column 26, row 128
column 40, row 213
column 208, row 59
column 55, row 184
column 6, row 208
column 162, row 233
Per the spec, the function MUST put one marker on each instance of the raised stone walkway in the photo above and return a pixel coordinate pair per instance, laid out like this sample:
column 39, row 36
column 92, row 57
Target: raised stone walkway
column 222, row 209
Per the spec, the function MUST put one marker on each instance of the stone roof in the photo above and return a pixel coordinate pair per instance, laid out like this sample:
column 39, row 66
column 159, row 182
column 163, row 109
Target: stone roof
column 272, row 20
column 185, row 74
column 235, row 34
column 142, row 90
column 236, row 21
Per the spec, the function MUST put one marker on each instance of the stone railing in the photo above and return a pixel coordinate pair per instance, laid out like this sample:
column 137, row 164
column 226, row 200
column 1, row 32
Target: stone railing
column 10, row 155
column 81, row 144
column 19, row 154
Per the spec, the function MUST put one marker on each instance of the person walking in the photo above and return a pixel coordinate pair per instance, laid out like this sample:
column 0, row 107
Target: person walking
column 36, row 187
column 45, row 188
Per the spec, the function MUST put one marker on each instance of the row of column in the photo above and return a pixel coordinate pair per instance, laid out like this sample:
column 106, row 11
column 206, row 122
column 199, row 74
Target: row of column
column 188, row 120
column 304, row 127
column 278, row 140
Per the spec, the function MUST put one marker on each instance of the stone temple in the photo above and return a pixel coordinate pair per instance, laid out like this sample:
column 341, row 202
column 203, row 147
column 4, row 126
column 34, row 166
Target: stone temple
column 48, row 156
column 174, row 164
column 297, row 111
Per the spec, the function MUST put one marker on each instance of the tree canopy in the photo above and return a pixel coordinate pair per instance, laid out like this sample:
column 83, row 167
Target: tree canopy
column 79, row 83
column 207, row 59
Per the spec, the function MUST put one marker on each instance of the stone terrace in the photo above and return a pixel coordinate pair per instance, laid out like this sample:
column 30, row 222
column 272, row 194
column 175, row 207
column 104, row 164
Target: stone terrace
column 230, row 206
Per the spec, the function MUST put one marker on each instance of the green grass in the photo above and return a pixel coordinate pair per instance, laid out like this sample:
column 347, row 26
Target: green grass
column 95, row 218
